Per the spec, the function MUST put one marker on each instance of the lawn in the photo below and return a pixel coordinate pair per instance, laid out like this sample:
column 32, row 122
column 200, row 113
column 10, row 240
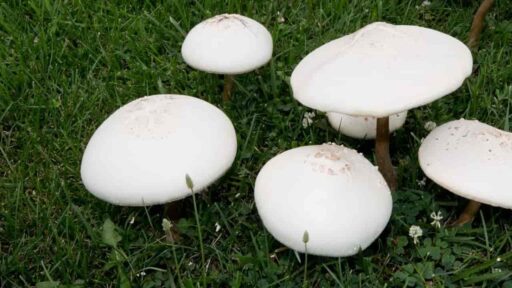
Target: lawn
column 66, row 65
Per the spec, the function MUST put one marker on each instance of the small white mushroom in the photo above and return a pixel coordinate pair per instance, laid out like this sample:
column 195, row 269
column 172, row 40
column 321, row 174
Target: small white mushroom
column 363, row 127
column 141, row 153
column 228, row 44
column 470, row 159
column 330, row 191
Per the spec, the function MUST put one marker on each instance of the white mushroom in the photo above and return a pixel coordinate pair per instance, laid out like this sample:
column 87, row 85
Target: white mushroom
column 228, row 44
column 363, row 127
column 141, row 153
column 330, row 191
column 470, row 159
column 380, row 70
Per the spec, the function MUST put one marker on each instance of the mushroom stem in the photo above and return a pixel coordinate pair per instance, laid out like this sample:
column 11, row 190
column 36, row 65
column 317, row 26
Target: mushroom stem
column 474, row 36
column 478, row 23
column 228, row 87
column 468, row 214
column 174, row 210
column 382, row 153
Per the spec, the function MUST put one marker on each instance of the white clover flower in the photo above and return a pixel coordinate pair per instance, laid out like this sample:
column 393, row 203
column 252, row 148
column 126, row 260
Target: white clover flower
column 430, row 125
column 415, row 233
column 141, row 274
column 437, row 217
column 422, row 182
column 423, row 4
column 217, row 227
column 280, row 18
column 308, row 119
column 496, row 270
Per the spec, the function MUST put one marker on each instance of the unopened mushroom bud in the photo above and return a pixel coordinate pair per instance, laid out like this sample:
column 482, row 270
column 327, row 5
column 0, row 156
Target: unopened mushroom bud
column 363, row 127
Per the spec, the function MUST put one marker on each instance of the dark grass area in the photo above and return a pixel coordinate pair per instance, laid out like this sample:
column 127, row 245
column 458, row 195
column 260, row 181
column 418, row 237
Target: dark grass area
column 66, row 65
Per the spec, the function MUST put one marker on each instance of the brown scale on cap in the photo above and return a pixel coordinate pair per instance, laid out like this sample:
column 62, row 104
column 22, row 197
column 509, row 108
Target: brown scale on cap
column 150, row 118
column 500, row 140
column 493, row 138
column 227, row 19
column 498, row 135
column 329, row 160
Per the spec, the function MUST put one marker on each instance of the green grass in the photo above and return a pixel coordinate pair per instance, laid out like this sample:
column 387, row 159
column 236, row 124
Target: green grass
column 66, row 65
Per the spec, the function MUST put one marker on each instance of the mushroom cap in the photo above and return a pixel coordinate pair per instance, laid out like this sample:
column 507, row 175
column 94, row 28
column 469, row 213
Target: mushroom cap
column 470, row 159
column 380, row 70
column 227, row 44
column 331, row 191
column 363, row 127
column 141, row 153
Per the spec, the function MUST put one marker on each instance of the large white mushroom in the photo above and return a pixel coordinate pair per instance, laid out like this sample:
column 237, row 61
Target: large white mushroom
column 228, row 44
column 141, row 153
column 363, row 127
column 330, row 191
column 470, row 159
column 380, row 70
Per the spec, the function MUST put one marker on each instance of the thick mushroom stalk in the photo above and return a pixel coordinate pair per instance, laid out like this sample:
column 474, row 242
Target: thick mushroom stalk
column 478, row 23
column 468, row 214
column 474, row 36
column 364, row 127
column 228, row 87
column 382, row 155
column 174, row 210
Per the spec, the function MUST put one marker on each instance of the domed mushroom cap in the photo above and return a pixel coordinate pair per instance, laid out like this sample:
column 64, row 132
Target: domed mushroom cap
column 380, row 70
column 331, row 191
column 141, row 153
column 227, row 44
column 363, row 127
column 470, row 159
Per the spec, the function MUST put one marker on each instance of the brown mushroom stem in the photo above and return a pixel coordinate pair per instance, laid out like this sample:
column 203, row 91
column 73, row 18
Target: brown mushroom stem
column 228, row 87
column 382, row 153
column 474, row 36
column 468, row 215
column 174, row 211
column 478, row 23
